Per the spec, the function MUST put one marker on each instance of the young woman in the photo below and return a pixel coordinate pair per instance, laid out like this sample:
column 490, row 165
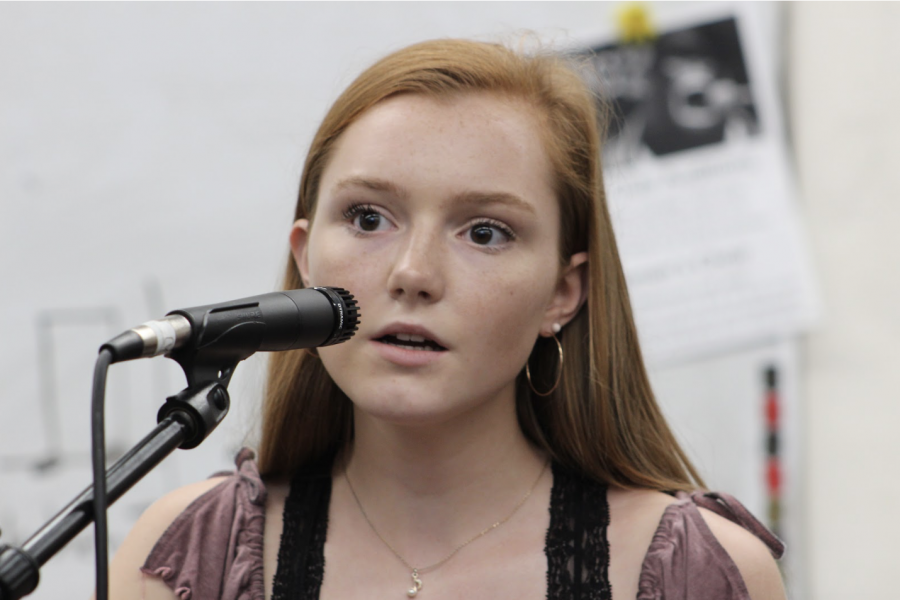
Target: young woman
column 490, row 431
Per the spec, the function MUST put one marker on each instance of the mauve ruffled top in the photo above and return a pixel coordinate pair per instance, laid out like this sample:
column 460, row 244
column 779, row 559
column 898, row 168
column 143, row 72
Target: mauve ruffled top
column 214, row 549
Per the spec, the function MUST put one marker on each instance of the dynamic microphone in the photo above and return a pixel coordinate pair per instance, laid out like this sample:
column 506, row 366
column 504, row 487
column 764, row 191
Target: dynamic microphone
column 232, row 331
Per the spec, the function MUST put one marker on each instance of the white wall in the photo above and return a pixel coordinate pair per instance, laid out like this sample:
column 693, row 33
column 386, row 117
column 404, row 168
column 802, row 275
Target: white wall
column 150, row 157
column 844, row 85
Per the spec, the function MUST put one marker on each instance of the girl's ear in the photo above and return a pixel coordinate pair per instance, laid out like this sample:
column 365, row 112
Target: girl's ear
column 299, row 247
column 571, row 293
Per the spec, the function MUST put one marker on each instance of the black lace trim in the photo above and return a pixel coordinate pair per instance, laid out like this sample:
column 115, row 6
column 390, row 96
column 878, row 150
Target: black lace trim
column 576, row 547
column 301, row 554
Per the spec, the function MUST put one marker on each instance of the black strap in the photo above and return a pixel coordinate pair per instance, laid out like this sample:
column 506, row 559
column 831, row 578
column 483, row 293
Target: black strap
column 301, row 554
column 576, row 546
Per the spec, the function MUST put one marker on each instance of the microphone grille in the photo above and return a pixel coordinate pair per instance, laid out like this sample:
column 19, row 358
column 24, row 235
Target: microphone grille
column 347, row 305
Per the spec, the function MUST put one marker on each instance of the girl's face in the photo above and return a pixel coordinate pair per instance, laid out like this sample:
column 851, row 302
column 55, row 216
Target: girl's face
column 440, row 217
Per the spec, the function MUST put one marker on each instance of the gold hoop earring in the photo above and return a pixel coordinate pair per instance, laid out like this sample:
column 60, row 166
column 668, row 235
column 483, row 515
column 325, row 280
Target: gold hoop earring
column 558, row 372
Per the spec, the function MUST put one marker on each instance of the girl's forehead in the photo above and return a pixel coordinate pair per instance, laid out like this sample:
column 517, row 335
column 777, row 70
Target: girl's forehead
column 465, row 106
column 464, row 131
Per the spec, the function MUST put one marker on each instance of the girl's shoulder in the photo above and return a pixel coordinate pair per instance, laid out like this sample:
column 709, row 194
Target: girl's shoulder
column 699, row 545
column 751, row 547
column 173, row 543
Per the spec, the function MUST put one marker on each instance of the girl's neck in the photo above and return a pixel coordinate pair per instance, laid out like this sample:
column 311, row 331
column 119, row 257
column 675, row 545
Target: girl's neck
column 447, row 477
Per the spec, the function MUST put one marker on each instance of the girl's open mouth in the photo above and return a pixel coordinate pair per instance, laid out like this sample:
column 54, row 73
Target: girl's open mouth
column 408, row 341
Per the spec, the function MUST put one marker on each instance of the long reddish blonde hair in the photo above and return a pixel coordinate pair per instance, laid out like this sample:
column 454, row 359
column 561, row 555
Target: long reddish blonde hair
column 603, row 419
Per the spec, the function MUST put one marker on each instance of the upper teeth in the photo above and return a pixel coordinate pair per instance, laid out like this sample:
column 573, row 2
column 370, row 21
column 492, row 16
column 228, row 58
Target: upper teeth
column 408, row 337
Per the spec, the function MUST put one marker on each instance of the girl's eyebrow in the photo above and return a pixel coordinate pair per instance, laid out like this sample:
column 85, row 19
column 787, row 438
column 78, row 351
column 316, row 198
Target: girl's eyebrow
column 468, row 197
column 504, row 198
column 371, row 183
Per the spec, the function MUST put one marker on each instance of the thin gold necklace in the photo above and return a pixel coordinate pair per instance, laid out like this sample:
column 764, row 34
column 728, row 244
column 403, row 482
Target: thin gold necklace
column 417, row 571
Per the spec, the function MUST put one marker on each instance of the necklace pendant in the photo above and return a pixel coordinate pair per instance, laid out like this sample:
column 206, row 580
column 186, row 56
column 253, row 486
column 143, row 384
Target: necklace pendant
column 417, row 584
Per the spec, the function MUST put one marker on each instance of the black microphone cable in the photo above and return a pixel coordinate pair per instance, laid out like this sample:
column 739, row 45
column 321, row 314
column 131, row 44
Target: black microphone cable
column 98, row 462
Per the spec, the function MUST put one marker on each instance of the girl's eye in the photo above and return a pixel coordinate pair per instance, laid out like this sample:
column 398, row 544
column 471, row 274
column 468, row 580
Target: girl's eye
column 490, row 234
column 365, row 218
column 368, row 221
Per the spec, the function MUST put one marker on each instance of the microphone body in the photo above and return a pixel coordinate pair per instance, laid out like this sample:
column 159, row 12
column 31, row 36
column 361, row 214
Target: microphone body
column 232, row 331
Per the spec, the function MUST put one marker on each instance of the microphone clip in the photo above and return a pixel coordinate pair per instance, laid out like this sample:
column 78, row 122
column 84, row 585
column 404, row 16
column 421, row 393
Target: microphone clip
column 198, row 410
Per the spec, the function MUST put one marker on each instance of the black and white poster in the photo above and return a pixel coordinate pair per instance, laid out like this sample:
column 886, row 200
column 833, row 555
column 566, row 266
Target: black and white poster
column 699, row 186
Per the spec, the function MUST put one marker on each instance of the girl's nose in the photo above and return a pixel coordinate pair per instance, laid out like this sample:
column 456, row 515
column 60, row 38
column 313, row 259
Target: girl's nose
column 416, row 274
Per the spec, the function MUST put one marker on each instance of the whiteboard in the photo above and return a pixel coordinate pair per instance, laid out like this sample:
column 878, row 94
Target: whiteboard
column 151, row 158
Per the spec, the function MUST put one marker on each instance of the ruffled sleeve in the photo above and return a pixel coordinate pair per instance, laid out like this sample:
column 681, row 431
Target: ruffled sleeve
column 685, row 560
column 214, row 549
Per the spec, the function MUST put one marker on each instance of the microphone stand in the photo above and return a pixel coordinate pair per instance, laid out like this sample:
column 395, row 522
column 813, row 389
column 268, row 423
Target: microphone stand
column 184, row 421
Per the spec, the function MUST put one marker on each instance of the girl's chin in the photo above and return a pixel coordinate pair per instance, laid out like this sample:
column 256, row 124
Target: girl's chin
column 419, row 410
column 419, row 414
